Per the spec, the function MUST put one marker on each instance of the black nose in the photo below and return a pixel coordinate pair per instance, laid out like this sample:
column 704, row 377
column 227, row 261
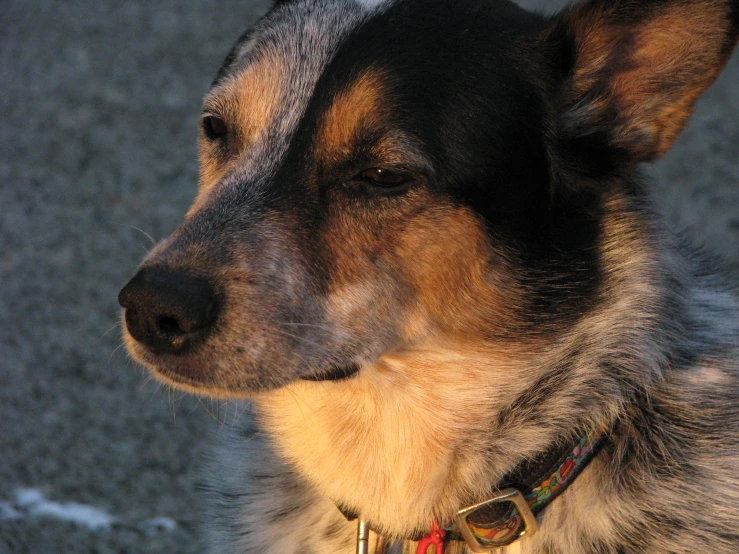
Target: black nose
column 168, row 310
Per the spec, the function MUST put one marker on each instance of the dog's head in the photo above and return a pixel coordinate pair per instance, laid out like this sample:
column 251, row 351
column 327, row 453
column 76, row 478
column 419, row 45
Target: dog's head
column 375, row 175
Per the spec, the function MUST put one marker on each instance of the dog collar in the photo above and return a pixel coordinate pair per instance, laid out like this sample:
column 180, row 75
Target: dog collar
column 510, row 514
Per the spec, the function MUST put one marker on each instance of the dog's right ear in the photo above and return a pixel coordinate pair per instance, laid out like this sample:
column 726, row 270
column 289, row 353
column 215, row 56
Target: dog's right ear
column 634, row 68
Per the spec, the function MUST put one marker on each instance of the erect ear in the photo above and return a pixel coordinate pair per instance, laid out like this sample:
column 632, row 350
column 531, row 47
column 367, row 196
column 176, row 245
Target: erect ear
column 636, row 68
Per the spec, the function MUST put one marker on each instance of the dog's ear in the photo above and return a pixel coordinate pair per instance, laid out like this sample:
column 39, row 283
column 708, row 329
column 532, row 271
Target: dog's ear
column 635, row 68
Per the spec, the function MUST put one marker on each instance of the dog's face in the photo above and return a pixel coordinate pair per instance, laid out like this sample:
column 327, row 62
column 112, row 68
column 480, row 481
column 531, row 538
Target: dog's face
column 376, row 175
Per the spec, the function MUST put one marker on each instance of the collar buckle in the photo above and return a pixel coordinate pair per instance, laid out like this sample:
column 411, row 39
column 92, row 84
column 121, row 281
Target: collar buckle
column 497, row 522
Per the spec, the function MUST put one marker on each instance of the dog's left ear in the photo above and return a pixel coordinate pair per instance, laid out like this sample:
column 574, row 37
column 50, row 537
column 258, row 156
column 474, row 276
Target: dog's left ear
column 635, row 68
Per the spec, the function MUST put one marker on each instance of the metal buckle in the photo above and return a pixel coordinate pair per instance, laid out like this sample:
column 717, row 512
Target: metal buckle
column 484, row 537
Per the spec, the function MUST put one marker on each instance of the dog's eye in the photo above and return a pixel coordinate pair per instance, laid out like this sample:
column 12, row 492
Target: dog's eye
column 383, row 178
column 214, row 127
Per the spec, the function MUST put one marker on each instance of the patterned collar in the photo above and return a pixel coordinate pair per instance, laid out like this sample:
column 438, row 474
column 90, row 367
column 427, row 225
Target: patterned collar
column 511, row 513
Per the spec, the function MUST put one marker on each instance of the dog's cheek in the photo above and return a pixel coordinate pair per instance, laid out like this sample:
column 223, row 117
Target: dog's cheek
column 362, row 301
column 446, row 258
column 423, row 269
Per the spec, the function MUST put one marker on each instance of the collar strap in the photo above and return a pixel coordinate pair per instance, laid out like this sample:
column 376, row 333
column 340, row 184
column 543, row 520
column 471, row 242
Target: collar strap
column 511, row 513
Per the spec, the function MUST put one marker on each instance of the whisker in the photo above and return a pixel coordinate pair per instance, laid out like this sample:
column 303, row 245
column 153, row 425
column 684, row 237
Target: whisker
column 116, row 349
column 170, row 396
column 195, row 407
column 147, row 380
column 297, row 337
column 147, row 235
column 209, row 410
column 314, row 325
column 118, row 324
column 237, row 415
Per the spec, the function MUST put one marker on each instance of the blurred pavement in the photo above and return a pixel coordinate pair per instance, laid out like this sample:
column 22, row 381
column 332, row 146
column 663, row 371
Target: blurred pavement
column 99, row 103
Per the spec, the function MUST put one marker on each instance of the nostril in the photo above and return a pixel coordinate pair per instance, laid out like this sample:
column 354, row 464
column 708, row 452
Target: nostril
column 169, row 326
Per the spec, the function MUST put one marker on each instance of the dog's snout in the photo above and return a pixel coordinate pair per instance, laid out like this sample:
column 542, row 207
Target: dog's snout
column 168, row 310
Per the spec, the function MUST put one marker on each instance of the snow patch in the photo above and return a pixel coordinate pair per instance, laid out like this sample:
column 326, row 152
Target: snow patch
column 31, row 503
column 7, row 511
column 34, row 504
column 158, row 525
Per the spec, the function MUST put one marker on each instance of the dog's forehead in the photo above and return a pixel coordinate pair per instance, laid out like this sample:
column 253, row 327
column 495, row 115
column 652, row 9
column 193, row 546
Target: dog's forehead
column 310, row 29
column 324, row 81
column 270, row 76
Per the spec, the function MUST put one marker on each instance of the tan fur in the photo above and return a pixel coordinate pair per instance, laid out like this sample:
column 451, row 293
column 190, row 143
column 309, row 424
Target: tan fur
column 446, row 296
column 357, row 108
column 444, row 389
column 665, row 43
column 454, row 296
column 642, row 85
column 247, row 103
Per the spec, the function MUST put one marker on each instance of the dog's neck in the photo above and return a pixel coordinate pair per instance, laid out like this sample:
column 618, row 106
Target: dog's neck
column 359, row 441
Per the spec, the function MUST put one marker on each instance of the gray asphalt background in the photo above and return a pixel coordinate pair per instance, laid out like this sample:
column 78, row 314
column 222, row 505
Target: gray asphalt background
column 99, row 104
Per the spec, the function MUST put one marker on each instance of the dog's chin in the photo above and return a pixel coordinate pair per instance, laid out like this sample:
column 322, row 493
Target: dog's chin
column 188, row 375
column 215, row 390
column 253, row 386
column 185, row 383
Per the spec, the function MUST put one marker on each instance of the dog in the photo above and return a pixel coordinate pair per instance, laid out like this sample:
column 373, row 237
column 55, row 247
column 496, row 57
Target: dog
column 423, row 251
